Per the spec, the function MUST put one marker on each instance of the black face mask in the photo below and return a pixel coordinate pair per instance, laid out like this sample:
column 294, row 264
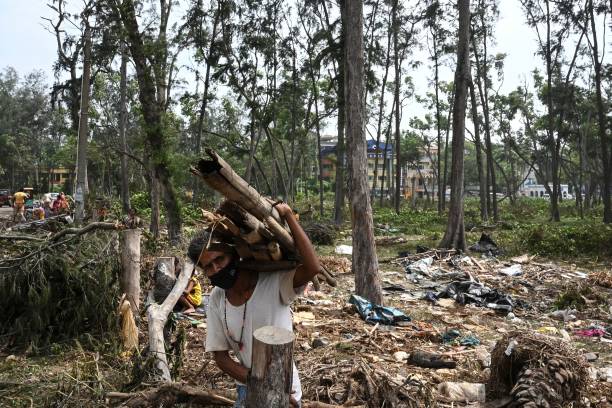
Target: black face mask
column 226, row 277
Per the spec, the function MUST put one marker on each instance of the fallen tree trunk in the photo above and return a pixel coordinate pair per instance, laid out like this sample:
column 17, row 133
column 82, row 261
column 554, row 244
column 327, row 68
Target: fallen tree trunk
column 168, row 395
column 157, row 316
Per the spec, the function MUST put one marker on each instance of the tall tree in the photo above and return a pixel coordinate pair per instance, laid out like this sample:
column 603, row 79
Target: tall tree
column 396, row 64
column 125, row 185
column 365, row 261
column 154, row 69
column 454, row 237
column 606, row 145
column 82, row 187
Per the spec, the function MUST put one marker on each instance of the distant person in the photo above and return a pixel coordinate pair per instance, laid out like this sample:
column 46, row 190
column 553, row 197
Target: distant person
column 60, row 205
column 46, row 205
column 19, row 200
column 192, row 295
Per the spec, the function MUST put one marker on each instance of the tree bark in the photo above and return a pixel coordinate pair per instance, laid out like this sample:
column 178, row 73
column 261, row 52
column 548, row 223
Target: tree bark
column 81, row 182
column 380, row 118
column 454, row 236
column 441, row 189
column 606, row 150
column 481, row 176
column 125, row 186
column 340, row 147
column 152, row 95
column 365, row 261
column 157, row 315
column 396, row 62
column 130, row 261
column 269, row 382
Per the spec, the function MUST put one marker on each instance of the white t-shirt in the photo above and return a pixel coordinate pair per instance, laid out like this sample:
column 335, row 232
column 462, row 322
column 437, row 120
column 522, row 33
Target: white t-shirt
column 267, row 306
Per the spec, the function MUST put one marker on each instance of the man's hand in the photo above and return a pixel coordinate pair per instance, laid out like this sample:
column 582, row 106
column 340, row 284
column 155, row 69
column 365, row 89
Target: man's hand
column 283, row 210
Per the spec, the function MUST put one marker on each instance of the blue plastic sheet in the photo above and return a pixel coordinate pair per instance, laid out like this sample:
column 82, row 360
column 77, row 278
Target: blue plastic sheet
column 376, row 313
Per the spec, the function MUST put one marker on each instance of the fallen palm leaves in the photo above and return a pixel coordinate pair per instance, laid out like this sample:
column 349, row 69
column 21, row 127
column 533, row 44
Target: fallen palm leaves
column 538, row 371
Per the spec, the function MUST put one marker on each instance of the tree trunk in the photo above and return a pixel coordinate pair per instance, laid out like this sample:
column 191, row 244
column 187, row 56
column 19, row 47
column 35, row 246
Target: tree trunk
column 385, row 153
column 269, row 382
column 125, row 186
column 365, row 261
column 130, row 261
column 441, row 190
column 340, row 148
column 481, row 176
column 606, row 150
column 396, row 62
column 380, row 117
column 154, row 202
column 482, row 75
column 81, row 183
column 454, row 236
column 152, row 95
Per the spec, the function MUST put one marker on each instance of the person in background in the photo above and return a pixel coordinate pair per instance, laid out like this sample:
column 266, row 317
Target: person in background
column 60, row 205
column 243, row 301
column 192, row 295
column 19, row 199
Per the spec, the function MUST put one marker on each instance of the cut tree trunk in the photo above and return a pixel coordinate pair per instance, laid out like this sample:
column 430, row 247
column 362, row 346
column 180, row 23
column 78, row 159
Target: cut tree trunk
column 130, row 260
column 269, row 382
column 125, row 186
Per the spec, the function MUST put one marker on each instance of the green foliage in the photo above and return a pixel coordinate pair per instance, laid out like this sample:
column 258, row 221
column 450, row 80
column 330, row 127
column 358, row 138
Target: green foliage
column 55, row 293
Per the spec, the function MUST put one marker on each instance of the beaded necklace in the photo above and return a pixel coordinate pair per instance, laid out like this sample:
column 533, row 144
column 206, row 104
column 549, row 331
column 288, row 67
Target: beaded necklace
column 239, row 342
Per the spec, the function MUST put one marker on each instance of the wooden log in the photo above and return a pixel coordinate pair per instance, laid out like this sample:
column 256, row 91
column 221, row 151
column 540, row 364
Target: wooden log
column 164, row 277
column 221, row 177
column 243, row 219
column 169, row 395
column 269, row 382
column 130, row 261
column 157, row 315
column 274, row 251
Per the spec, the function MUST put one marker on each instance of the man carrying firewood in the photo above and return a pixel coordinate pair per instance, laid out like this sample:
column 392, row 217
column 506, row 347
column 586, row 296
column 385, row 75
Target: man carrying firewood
column 243, row 301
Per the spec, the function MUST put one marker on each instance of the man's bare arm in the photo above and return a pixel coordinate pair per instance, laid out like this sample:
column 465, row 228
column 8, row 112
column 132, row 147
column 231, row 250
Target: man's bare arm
column 310, row 262
column 230, row 367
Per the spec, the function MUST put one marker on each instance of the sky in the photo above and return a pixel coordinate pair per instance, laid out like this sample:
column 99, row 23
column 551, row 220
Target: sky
column 27, row 46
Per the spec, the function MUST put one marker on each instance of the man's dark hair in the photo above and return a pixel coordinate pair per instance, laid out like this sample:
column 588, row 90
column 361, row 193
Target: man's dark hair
column 21, row 190
column 198, row 242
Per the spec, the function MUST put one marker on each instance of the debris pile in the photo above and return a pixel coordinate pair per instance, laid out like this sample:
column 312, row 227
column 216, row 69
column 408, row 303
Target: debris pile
column 537, row 370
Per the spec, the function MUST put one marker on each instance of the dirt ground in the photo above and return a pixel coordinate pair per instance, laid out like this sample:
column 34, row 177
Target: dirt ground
column 343, row 360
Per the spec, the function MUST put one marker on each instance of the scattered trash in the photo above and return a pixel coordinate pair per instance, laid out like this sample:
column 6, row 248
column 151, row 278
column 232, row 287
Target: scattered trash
column 478, row 294
column 511, row 345
column 514, row 270
column 344, row 250
column 523, row 259
column 320, row 342
column 548, row 330
column 454, row 336
column 421, row 266
column 565, row 315
column 590, row 332
column 485, row 245
column 462, row 391
column 400, row 356
column 376, row 313
column 430, row 360
column 392, row 287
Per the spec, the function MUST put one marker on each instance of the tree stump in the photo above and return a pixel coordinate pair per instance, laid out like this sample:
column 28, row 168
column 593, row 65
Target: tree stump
column 269, row 384
column 130, row 260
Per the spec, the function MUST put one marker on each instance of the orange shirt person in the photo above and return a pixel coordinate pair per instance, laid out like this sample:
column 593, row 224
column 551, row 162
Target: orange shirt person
column 19, row 200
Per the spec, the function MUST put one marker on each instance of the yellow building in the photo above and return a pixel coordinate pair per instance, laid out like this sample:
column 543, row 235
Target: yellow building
column 59, row 176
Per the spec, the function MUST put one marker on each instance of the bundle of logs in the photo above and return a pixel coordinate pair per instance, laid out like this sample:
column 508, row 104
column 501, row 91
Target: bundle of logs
column 249, row 221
